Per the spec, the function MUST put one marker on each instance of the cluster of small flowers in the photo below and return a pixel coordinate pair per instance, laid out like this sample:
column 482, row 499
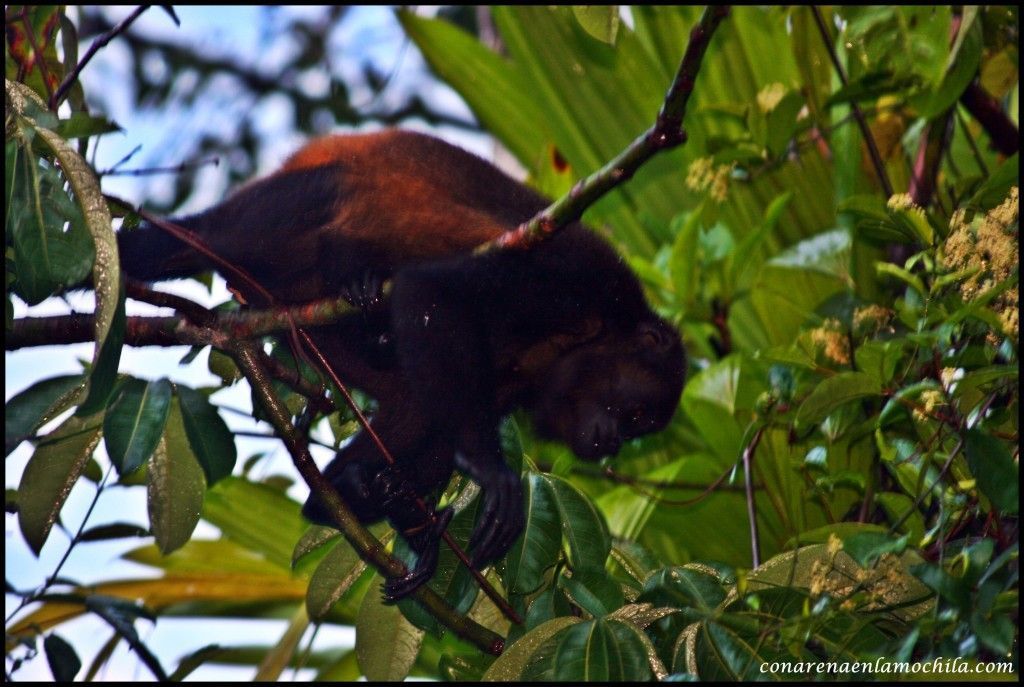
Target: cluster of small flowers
column 831, row 339
column 987, row 245
column 871, row 319
column 703, row 175
column 881, row 585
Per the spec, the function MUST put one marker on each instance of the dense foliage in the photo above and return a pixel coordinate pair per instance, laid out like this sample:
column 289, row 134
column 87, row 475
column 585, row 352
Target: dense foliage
column 840, row 483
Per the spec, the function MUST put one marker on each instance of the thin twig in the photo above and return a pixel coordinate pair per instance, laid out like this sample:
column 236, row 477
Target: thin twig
column 945, row 467
column 72, row 76
column 75, row 540
column 147, row 171
column 876, row 157
column 748, row 481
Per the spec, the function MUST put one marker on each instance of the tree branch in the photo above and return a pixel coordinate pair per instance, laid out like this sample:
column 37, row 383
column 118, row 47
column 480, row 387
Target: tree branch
column 1002, row 133
column 108, row 36
column 666, row 133
column 214, row 328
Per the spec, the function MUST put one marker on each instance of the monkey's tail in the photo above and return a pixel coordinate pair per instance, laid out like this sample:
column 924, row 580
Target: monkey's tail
column 149, row 253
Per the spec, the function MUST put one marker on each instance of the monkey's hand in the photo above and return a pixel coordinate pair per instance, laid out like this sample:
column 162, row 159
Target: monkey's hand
column 502, row 517
column 425, row 540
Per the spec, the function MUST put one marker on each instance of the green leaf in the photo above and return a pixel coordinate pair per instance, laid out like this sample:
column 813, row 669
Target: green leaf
column 821, row 535
column 47, row 258
column 835, row 392
column 593, row 591
column 683, row 259
column 121, row 615
column 528, row 649
column 103, row 376
column 600, row 21
column 135, row 421
column 313, row 539
column 386, row 643
column 537, row 549
column 867, row 547
column 50, row 474
column 742, row 260
column 219, row 557
column 962, row 67
column 583, row 526
column 86, row 190
column 997, row 187
column 601, row 651
column 62, row 659
column 682, row 587
column 781, row 123
column 492, row 88
column 993, row 466
column 282, row 653
column 335, row 575
column 256, row 516
column 209, row 437
column 83, row 125
column 188, row 663
column 116, row 530
column 827, row 253
column 879, row 359
column 175, row 484
column 26, row 412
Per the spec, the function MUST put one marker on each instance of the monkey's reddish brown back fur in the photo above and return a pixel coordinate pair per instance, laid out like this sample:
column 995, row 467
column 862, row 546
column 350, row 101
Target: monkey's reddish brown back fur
column 413, row 196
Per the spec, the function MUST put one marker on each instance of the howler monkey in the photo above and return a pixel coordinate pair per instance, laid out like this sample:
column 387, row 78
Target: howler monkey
column 561, row 330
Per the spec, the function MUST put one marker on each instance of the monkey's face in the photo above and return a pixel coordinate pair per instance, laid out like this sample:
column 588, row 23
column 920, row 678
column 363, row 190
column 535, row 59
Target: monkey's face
column 608, row 391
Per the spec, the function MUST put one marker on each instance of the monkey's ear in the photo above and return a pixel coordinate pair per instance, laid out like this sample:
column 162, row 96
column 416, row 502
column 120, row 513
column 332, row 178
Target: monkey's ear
column 657, row 336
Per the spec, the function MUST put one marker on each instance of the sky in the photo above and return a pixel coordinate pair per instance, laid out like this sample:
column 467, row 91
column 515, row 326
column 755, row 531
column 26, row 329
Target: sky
column 237, row 31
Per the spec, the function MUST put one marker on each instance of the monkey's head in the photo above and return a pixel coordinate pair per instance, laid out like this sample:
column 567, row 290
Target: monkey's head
column 616, row 387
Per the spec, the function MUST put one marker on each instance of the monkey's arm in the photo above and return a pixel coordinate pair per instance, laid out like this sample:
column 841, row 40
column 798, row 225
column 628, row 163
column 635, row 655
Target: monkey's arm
column 442, row 342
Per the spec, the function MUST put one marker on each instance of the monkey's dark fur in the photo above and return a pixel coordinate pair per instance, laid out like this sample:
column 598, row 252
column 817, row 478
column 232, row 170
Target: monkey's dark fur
column 561, row 330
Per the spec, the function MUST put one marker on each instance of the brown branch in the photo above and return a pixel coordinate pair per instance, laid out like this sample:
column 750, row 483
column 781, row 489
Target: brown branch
column 246, row 356
column 865, row 131
column 212, row 328
column 931, row 147
column 190, row 309
column 78, row 328
column 1002, row 132
column 72, row 76
column 666, row 133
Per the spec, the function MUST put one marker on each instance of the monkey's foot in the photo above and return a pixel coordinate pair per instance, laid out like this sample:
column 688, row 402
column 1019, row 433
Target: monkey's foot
column 426, row 543
column 365, row 291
